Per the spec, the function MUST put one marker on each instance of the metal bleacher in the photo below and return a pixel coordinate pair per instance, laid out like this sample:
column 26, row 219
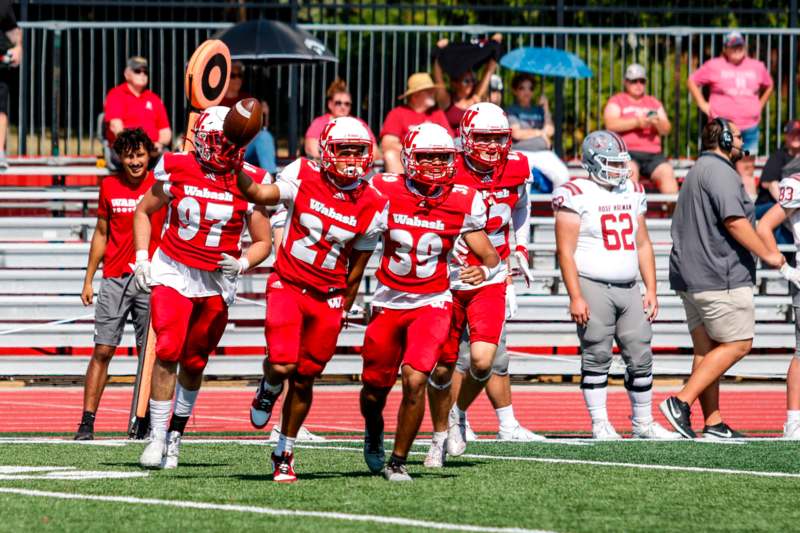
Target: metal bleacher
column 44, row 244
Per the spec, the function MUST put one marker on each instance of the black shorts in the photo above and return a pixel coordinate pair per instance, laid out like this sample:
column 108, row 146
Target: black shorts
column 647, row 161
column 3, row 95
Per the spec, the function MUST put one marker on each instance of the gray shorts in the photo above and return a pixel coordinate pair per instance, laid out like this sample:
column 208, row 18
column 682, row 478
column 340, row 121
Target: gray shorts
column 112, row 309
column 500, row 363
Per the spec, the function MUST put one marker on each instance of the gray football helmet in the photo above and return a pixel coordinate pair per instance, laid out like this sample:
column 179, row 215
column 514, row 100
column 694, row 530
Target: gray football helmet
column 606, row 158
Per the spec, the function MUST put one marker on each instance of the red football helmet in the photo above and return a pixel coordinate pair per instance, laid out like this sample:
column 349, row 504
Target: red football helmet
column 429, row 138
column 346, row 132
column 484, row 120
column 212, row 150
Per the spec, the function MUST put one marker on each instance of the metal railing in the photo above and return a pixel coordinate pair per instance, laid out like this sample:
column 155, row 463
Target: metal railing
column 69, row 67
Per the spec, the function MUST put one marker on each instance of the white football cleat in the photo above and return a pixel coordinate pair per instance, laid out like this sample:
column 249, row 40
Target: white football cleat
column 154, row 451
column 791, row 430
column 436, row 454
column 304, row 435
column 519, row 434
column 603, row 430
column 456, row 434
column 653, row 430
column 173, row 449
column 471, row 435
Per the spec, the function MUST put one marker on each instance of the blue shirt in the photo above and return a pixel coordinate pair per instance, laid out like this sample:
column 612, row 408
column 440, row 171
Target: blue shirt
column 261, row 152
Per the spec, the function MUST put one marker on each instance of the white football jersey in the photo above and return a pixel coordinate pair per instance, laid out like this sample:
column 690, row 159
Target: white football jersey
column 606, row 248
column 790, row 200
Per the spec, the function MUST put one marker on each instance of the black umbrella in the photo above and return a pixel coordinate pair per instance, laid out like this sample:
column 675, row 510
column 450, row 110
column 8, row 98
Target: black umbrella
column 273, row 43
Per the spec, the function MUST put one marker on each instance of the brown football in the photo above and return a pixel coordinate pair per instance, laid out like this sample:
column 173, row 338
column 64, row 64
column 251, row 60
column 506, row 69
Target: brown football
column 243, row 121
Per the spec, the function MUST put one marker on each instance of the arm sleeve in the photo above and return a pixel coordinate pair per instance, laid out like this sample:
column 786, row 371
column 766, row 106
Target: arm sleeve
column 773, row 166
column 369, row 239
column 288, row 181
column 476, row 218
column 790, row 193
column 724, row 195
column 521, row 218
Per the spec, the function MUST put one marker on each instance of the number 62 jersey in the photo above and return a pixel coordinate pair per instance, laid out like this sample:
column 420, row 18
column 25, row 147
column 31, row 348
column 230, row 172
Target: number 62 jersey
column 606, row 249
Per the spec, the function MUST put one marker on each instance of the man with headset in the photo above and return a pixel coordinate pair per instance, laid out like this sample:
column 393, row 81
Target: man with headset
column 712, row 267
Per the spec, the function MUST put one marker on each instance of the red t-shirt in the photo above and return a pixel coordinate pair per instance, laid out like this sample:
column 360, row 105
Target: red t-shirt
column 402, row 118
column 644, row 139
column 118, row 200
column 145, row 111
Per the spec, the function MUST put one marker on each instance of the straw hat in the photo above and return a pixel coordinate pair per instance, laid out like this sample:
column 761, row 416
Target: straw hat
column 420, row 81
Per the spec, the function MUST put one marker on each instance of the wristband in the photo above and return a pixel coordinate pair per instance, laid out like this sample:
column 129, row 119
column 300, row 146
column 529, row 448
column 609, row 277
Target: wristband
column 486, row 272
column 142, row 255
column 245, row 264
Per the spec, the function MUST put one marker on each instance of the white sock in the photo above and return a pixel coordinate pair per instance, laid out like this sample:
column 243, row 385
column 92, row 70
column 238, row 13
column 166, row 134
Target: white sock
column 285, row 444
column 792, row 416
column 184, row 400
column 641, row 400
column 159, row 415
column 505, row 415
column 439, row 436
column 462, row 415
column 595, row 398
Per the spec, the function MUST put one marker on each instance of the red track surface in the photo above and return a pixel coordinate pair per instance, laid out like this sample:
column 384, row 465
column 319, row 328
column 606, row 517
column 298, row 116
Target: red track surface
column 335, row 409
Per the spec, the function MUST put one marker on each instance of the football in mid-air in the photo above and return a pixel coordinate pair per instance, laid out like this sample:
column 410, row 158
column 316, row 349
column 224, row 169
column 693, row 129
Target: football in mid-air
column 243, row 121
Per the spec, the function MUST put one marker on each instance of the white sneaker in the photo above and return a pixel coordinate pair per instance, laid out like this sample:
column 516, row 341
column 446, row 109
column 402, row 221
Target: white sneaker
column 471, row 435
column 791, row 430
column 519, row 434
column 456, row 434
column 603, row 430
column 303, row 435
column 173, row 449
column 154, row 451
column 436, row 454
column 653, row 430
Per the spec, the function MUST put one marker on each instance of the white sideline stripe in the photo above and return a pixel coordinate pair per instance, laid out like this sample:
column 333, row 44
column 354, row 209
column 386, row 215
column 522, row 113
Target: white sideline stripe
column 552, row 460
column 377, row 519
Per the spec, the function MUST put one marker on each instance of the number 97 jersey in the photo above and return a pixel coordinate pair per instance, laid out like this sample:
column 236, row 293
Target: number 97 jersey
column 606, row 248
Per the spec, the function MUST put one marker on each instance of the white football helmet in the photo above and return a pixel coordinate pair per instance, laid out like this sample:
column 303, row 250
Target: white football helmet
column 429, row 138
column 212, row 150
column 351, row 132
column 606, row 158
column 483, row 119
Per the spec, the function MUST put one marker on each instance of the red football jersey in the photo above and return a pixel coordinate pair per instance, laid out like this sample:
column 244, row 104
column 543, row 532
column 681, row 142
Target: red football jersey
column 501, row 195
column 206, row 215
column 421, row 232
column 324, row 224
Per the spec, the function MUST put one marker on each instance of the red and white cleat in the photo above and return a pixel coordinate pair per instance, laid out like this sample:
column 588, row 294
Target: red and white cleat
column 283, row 468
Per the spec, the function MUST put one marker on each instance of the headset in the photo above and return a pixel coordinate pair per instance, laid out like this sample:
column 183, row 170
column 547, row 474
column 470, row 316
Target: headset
column 725, row 141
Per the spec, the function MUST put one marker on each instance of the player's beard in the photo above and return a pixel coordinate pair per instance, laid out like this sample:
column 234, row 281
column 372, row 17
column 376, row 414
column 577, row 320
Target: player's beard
column 736, row 155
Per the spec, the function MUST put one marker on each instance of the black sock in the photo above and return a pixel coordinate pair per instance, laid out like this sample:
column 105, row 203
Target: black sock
column 397, row 460
column 178, row 423
column 88, row 419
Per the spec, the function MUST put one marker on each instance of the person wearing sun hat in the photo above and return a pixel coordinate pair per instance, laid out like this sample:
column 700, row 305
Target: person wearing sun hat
column 739, row 87
column 419, row 106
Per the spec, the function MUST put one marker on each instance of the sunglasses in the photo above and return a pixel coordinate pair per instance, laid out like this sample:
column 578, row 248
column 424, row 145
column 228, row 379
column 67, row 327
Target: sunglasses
column 468, row 81
column 638, row 80
column 342, row 103
column 141, row 71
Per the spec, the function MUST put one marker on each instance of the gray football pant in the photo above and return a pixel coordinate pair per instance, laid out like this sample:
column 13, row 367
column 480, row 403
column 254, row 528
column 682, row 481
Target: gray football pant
column 615, row 313
column 500, row 363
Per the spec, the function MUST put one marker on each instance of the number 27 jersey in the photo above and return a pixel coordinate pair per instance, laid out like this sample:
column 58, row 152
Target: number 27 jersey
column 606, row 248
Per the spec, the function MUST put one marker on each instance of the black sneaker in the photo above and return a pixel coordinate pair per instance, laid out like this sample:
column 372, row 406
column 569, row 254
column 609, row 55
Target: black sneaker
column 679, row 414
column 85, row 432
column 721, row 431
column 261, row 408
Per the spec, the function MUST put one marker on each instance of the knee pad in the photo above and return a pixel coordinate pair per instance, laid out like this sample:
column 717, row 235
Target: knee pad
column 437, row 386
column 501, row 358
column 168, row 347
column 638, row 383
column 195, row 364
column 594, row 380
column 480, row 379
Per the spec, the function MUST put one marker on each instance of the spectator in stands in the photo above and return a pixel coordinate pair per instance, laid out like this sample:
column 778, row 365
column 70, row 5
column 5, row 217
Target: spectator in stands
column 261, row 150
column 739, row 88
column 496, row 90
column 532, row 130
column 132, row 105
column 11, row 52
column 420, row 106
column 640, row 120
column 712, row 268
column 112, row 243
column 340, row 104
column 465, row 89
column 235, row 92
column 783, row 162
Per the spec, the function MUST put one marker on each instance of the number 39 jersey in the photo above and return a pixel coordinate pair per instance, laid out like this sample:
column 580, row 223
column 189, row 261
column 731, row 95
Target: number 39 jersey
column 789, row 199
column 420, row 235
column 606, row 249
column 206, row 216
column 324, row 224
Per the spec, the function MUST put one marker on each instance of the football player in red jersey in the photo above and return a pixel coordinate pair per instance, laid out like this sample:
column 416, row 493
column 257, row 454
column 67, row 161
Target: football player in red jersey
column 194, row 271
column 500, row 176
column 411, row 308
column 334, row 222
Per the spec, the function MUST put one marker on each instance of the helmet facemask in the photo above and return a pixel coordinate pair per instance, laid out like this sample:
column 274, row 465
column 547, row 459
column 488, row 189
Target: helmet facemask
column 347, row 160
column 430, row 167
column 614, row 170
column 214, row 152
column 487, row 147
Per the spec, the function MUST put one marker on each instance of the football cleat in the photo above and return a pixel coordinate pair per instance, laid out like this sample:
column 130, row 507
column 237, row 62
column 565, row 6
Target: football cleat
column 263, row 402
column 374, row 452
column 283, row 468
column 396, row 472
column 791, row 430
column 679, row 414
column 721, row 431
column 653, row 430
column 471, row 435
column 172, row 451
column 603, row 430
column 85, row 432
column 456, row 434
column 153, row 453
column 519, row 434
column 437, row 454
column 304, row 435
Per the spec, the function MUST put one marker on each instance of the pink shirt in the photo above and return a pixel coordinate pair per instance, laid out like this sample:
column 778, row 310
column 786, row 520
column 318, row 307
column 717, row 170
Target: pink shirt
column 734, row 89
column 319, row 123
column 644, row 139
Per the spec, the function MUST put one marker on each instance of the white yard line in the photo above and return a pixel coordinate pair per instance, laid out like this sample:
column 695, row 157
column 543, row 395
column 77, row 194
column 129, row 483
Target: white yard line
column 347, row 517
